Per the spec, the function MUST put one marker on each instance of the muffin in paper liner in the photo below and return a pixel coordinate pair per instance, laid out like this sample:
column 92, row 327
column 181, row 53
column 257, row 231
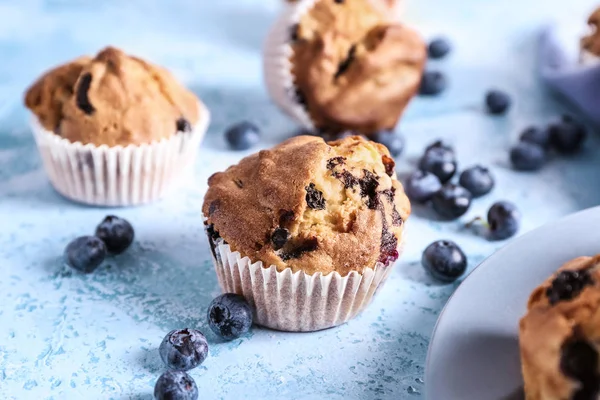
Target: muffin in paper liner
column 296, row 302
column 118, row 176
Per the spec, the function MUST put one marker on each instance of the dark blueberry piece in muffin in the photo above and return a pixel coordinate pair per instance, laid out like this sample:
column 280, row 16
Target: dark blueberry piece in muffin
column 314, row 197
column 279, row 237
column 345, row 63
column 298, row 248
column 300, row 97
column 432, row 83
column 389, row 248
column 81, row 97
column 347, row 179
column 579, row 359
column 368, row 188
column 438, row 48
column 334, row 162
column 294, row 33
column 567, row 285
column 183, row 125
column 497, row 102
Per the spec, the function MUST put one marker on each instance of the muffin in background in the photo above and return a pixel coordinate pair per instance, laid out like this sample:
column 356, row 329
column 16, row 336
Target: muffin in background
column 336, row 66
column 590, row 43
column 114, row 129
column 559, row 336
column 308, row 230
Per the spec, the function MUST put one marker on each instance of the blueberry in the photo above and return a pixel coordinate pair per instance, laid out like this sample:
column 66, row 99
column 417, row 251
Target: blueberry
column 242, row 136
column 579, row 360
column 440, row 162
column 536, row 135
column 175, row 385
column 421, row 186
column 183, row 349
column 444, row 261
column 567, row 136
column 393, row 141
column 503, row 219
column 85, row 253
column 478, row 180
column 451, row 201
column 229, row 316
column 567, row 285
column 440, row 143
column 116, row 233
column 432, row 83
column 438, row 48
column 526, row 156
column 497, row 102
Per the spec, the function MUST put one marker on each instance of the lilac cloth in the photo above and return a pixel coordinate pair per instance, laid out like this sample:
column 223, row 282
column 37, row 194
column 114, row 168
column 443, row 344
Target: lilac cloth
column 578, row 83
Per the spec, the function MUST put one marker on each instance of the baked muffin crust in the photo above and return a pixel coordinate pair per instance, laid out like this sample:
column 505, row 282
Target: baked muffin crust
column 354, row 68
column 591, row 42
column 560, row 334
column 311, row 206
column 112, row 99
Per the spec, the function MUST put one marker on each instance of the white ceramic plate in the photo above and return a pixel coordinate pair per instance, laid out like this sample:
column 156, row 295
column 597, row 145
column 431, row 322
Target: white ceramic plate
column 474, row 353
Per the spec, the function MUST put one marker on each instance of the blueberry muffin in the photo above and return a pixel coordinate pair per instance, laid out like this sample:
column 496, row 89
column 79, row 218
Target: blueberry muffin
column 112, row 99
column 343, row 65
column 114, row 129
column 590, row 44
column 560, row 334
column 307, row 209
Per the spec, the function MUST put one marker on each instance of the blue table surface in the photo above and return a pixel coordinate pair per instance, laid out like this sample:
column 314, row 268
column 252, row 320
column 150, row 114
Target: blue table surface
column 68, row 336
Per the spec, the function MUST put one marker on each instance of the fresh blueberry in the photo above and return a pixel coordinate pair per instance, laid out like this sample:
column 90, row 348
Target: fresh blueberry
column 526, row 156
column 392, row 140
column 116, row 233
column 421, row 186
column 536, row 135
column 440, row 143
column 444, row 261
column 183, row 349
column 242, row 136
column 451, row 201
column 229, row 316
column 438, row 48
column 497, row 102
column 432, row 83
column 85, row 253
column 440, row 162
column 175, row 385
column 478, row 180
column 567, row 136
column 503, row 219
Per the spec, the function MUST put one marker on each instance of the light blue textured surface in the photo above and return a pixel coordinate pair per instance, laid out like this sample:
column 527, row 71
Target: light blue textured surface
column 69, row 336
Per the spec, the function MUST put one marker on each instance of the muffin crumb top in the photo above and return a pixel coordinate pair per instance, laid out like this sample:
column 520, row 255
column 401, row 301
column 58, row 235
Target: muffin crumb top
column 311, row 206
column 112, row 99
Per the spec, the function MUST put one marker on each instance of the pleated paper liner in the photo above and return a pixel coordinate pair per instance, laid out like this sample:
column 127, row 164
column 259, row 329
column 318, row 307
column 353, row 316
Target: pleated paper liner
column 296, row 302
column 118, row 176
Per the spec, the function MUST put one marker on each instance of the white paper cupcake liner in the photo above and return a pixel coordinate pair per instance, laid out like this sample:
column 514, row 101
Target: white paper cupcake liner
column 277, row 66
column 296, row 302
column 118, row 176
column 588, row 59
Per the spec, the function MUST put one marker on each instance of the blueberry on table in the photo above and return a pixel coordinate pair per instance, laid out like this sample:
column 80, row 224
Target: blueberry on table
column 503, row 219
column 451, row 201
column 117, row 233
column 421, row 186
column 536, row 135
column 438, row 48
column 242, row 136
column 85, row 253
column 497, row 102
column 526, row 156
column 440, row 143
column 183, row 349
column 567, row 136
column 432, row 83
column 229, row 316
column 440, row 162
column 390, row 139
column 175, row 385
column 444, row 261
column 477, row 179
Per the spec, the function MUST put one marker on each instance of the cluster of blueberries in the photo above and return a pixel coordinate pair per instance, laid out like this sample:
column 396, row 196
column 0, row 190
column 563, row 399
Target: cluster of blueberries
column 229, row 315
column 430, row 184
